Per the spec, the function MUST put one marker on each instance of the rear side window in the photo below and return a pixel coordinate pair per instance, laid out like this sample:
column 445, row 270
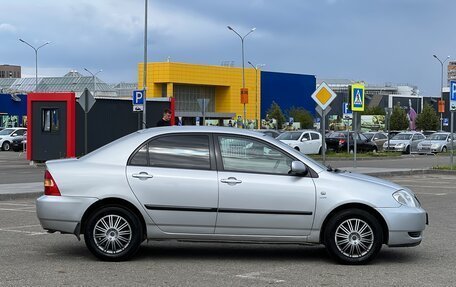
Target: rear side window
column 315, row 136
column 175, row 151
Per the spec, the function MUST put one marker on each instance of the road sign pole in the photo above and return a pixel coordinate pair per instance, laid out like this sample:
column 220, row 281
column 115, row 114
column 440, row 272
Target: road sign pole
column 348, row 136
column 323, row 135
column 451, row 135
column 355, row 135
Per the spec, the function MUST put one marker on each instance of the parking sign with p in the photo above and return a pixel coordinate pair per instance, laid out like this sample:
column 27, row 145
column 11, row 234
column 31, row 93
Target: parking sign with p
column 138, row 100
column 453, row 96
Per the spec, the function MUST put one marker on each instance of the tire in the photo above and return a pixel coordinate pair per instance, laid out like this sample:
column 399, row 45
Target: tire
column 357, row 250
column 374, row 150
column 444, row 149
column 407, row 150
column 6, row 146
column 319, row 151
column 110, row 245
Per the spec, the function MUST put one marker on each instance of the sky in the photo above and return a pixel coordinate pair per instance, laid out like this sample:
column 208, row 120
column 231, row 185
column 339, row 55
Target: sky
column 376, row 41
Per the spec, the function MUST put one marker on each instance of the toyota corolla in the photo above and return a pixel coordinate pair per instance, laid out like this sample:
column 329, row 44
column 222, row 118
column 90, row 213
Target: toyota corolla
column 222, row 185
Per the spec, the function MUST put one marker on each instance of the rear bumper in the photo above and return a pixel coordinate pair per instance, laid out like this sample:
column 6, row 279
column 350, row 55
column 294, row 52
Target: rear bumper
column 405, row 225
column 62, row 213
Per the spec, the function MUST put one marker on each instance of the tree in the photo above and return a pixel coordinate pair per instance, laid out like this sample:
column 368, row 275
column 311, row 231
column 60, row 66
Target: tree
column 301, row 115
column 275, row 112
column 428, row 120
column 398, row 119
column 373, row 111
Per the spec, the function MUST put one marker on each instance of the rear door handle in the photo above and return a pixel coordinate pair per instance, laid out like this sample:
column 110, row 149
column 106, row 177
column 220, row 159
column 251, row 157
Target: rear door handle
column 231, row 180
column 142, row 175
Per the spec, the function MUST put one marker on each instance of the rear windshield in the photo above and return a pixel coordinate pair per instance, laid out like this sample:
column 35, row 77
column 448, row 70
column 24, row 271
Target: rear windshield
column 289, row 136
column 336, row 135
column 368, row 135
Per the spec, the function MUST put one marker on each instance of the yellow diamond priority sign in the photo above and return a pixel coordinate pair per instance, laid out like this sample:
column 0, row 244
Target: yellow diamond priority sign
column 323, row 96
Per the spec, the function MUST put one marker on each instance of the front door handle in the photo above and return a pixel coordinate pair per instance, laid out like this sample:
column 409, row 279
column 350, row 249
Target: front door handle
column 142, row 175
column 231, row 180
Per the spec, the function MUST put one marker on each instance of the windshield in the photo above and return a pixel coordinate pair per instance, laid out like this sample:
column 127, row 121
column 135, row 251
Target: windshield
column 289, row 136
column 6, row 132
column 438, row 137
column 402, row 137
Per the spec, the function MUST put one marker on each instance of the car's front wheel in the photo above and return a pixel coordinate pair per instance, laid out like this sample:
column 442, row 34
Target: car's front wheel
column 113, row 233
column 6, row 146
column 353, row 236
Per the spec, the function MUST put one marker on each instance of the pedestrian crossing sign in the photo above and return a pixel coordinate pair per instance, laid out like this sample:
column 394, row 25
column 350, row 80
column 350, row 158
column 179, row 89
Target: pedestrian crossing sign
column 357, row 97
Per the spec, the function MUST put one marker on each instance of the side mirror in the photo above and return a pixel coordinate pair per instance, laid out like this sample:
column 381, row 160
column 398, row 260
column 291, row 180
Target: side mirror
column 304, row 139
column 14, row 135
column 298, row 168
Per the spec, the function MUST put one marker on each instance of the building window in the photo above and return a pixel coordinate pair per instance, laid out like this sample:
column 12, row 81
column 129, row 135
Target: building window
column 50, row 120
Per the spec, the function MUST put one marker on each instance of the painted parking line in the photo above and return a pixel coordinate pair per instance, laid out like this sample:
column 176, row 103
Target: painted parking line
column 259, row 276
column 20, row 210
column 18, row 229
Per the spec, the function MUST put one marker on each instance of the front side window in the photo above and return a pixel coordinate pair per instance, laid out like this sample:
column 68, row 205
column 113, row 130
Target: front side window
column 175, row 151
column 250, row 155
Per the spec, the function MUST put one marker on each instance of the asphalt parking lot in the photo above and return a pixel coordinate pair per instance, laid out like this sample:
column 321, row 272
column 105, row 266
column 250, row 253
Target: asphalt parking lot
column 29, row 256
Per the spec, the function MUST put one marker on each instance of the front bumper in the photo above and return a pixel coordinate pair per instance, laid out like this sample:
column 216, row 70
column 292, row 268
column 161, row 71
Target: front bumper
column 405, row 225
column 394, row 148
column 62, row 213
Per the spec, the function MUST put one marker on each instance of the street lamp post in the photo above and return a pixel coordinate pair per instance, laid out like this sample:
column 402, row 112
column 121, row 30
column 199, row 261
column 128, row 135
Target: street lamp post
column 441, row 87
column 256, row 90
column 243, row 68
column 36, row 59
column 94, row 79
column 144, row 125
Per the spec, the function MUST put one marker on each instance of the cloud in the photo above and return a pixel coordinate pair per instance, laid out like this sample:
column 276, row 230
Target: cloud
column 5, row 27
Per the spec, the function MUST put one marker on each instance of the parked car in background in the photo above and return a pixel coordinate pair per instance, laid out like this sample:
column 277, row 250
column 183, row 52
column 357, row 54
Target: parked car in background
column 437, row 142
column 404, row 142
column 270, row 132
column 222, row 185
column 391, row 134
column 428, row 133
column 337, row 141
column 7, row 136
column 378, row 138
column 19, row 143
column 305, row 141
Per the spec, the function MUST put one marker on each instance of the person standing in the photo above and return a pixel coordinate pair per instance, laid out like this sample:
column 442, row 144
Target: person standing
column 165, row 120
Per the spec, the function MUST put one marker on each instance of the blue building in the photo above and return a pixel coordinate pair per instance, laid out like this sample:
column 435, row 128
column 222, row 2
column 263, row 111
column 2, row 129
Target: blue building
column 13, row 110
column 287, row 90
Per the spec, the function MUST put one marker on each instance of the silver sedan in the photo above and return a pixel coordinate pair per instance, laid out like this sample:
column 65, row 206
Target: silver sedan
column 222, row 185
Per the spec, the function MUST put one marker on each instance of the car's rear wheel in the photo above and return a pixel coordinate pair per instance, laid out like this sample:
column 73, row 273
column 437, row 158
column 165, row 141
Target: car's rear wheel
column 6, row 146
column 353, row 236
column 113, row 233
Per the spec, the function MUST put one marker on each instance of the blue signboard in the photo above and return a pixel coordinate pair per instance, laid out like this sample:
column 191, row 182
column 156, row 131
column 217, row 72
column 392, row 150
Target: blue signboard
column 138, row 97
column 445, row 122
column 345, row 109
column 453, row 96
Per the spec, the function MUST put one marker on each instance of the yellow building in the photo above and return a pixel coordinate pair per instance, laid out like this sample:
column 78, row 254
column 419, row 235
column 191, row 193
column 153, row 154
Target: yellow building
column 189, row 82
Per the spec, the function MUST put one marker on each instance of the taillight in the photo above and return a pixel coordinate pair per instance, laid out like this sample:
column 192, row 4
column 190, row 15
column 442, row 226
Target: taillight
column 50, row 187
column 341, row 142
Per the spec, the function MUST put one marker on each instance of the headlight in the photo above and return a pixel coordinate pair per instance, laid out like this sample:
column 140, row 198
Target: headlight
column 406, row 198
column 435, row 146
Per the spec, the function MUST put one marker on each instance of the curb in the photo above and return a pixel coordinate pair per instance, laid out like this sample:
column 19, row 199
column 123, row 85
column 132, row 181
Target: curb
column 24, row 195
column 411, row 172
